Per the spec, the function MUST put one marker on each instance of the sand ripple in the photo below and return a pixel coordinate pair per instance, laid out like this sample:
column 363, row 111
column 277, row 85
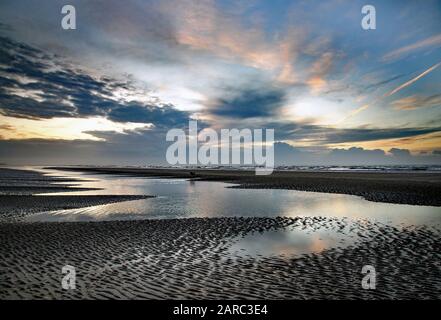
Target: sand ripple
column 190, row 259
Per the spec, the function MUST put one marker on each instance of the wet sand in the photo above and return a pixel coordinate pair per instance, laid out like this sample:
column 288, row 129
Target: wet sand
column 28, row 182
column 391, row 187
column 18, row 199
column 189, row 259
column 16, row 207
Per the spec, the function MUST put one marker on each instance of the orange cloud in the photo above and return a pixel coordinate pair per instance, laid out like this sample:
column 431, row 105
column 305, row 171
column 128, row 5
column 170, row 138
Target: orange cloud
column 203, row 27
column 319, row 70
column 416, row 101
column 322, row 66
column 316, row 84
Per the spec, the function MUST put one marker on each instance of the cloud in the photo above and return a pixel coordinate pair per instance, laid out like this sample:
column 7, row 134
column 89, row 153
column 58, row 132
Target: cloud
column 164, row 116
column 62, row 92
column 323, row 65
column 316, row 84
column 319, row 70
column 416, row 102
column 54, row 89
column 62, row 128
column 358, row 156
column 322, row 135
column 400, row 152
column 434, row 41
column 36, row 87
column 381, row 83
column 363, row 134
column 136, row 148
column 285, row 154
column 140, row 148
column 231, row 64
column 205, row 27
column 249, row 103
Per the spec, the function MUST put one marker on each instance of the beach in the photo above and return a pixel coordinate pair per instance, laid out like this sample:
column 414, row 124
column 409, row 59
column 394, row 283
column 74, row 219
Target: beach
column 192, row 258
column 414, row 188
column 188, row 259
column 20, row 194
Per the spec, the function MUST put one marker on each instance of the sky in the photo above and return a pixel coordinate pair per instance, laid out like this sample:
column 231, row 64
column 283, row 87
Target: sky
column 107, row 92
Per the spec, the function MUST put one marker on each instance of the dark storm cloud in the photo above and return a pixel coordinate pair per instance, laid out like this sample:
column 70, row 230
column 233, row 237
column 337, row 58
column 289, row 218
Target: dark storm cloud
column 165, row 116
column 250, row 103
column 51, row 89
